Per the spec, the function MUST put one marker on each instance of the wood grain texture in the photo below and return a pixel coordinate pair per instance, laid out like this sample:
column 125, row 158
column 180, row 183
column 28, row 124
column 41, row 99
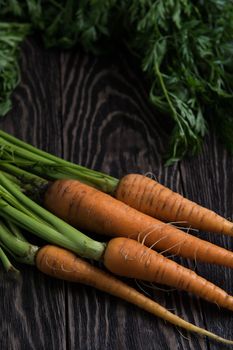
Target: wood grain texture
column 33, row 313
column 212, row 186
column 95, row 111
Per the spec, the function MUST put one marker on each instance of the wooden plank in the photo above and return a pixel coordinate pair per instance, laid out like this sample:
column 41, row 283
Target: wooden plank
column 206, row 179
column 33, row 309
column 109, row 125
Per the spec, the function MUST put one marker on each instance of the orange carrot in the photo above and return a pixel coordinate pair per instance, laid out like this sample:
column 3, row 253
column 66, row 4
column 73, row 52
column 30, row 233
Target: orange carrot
column 138, row 191
column 60, row 263
column 156, row 200
column 129, row 258
column 55, row 230
column 87, row 208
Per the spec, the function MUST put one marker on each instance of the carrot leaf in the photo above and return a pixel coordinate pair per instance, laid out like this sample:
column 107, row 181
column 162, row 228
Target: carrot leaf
column 183, row 47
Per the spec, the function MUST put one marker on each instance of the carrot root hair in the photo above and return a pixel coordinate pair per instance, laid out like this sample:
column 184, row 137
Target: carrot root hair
column 87, row 208
column 60, row 263
column 131, row 259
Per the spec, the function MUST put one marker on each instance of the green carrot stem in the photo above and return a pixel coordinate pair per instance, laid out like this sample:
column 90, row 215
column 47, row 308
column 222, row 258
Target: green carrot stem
column 30, row 184
column 22, row 249
column 87, row 248
column 39, row 219
column 7, row 249
column 37, row 182
column 19, row 175
column 17, row 150
column 12, row 200
column 77, row 237
column 16, row 231
column 17, row 246
column 38, row 228
column 6, row 263
column 102, row 181
column 11, row 177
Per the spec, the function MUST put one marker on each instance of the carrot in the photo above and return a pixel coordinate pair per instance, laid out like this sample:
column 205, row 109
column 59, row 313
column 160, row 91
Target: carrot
column 156, row 200
column 23, row 212
column 129, row 258
column 138, row 191
column 87, row 208
column 62, row 264
column 80, row 244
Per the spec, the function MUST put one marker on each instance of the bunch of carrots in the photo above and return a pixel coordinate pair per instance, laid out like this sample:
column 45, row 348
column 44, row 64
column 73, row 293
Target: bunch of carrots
column 55, row 199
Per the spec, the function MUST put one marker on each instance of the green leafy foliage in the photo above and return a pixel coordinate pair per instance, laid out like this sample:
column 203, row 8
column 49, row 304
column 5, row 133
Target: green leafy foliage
column 185, row 49
column 11, row 36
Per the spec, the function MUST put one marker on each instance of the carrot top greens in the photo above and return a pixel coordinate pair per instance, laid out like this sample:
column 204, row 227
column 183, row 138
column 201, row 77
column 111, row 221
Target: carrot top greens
column 184, row 47
column 16, row 152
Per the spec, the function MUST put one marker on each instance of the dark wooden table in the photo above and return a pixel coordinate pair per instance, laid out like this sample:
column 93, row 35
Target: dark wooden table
column 95, row 111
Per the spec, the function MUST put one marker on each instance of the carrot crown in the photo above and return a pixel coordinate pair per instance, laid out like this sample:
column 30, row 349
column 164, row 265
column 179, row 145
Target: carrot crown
column 18, row 208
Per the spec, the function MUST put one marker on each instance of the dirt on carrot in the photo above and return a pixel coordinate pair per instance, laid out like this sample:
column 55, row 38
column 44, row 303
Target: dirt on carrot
column 87, row 208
